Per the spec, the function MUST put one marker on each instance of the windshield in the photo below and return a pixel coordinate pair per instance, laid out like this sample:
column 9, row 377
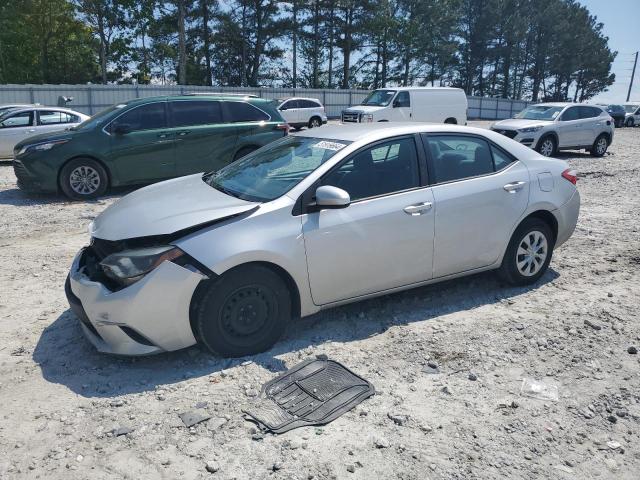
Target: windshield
column 379, row 98
column 98, row 118
column 631, row 108
column 274, row 169
column 539, row 112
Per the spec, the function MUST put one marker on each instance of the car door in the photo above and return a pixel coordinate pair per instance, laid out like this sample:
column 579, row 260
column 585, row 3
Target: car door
column 54, row 120
column 569, row 128
column 204, row 142
column 384, row 238
column 15, row 128
column 480, row 192
column 591, row 124
column 290, row 112
column 142, row 147
column 252, row 124
column 401, row 111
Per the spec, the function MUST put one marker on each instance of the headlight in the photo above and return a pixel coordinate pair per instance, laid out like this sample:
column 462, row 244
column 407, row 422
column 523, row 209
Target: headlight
column 367, row 117
column 129, row 266
column 530, row 129
column 41, row 147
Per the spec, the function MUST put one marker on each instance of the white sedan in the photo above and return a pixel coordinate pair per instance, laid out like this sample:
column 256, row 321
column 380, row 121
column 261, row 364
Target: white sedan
column 316, row 219
column 19, row 123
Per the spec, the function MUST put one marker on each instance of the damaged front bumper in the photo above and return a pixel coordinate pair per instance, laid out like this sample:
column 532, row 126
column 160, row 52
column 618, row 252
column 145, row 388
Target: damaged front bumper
column 150, row 316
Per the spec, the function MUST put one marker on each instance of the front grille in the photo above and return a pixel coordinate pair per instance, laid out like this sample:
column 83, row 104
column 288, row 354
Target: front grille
column 506, row 132
column 350, row 117
column 20, row 171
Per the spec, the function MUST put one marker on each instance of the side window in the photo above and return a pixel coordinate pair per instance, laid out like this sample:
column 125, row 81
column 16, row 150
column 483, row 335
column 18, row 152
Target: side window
column 500, row 159
column 589, row 112
column 402, row 100
column 243, row 112
column 382, row 169
column 572, row 113
column 146, row 117
column 309, row 104
column 457, row 157
column 188, row 113
column 48, row 117
column 22, row 119
column 288, row 105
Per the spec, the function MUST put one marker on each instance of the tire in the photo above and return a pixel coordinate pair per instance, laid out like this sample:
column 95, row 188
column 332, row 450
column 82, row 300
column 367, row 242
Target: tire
column 83, row 179
column 451, row 121
column 243, row 312
column 518, row 268
column 547, row 146
column 629, row 122
column 244, row 151
column 315, row 122
column 599, row 147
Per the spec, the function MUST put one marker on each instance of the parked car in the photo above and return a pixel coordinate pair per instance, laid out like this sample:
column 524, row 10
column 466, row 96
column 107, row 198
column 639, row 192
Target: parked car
column 20, row 123
column 632, row 114
column 147, row 140
column 302, row 112
column 410, row 104
column 317, row 219
column 550, row 127
column 617, row 112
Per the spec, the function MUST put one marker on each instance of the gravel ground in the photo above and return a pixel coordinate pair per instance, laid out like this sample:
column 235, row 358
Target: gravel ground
column 69, row 412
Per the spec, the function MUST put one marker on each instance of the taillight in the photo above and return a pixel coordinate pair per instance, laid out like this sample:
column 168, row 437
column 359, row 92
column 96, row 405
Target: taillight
column 571, row 175
column 285, row 127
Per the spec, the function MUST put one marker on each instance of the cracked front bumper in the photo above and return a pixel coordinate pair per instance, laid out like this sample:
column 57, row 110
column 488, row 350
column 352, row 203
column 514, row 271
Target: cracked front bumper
column 150, row 316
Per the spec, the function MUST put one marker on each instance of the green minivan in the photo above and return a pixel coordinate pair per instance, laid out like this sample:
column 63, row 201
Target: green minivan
column 147, row 140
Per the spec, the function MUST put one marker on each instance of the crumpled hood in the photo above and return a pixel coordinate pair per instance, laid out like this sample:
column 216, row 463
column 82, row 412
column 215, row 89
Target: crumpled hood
column 364, row 109
column 165, row 208
column 516, row 123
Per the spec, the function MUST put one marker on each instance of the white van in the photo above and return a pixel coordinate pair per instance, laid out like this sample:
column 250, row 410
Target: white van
column 411, row 104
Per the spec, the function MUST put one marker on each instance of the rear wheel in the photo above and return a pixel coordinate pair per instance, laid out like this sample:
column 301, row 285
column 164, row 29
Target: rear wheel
column 243, row 152
column 315, row 122
column 243, row 312
column 83, row 179
column 528, row 254
column 599, row 147
column 547, row 146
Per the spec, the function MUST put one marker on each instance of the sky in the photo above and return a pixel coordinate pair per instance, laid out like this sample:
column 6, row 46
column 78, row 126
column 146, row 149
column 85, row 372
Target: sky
column 621, row 19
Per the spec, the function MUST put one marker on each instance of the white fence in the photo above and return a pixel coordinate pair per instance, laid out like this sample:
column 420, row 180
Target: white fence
column 91, row 99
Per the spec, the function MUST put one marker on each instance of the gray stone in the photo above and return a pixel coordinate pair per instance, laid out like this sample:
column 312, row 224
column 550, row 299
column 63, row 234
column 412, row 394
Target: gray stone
column 212, row 466
column 192, row 418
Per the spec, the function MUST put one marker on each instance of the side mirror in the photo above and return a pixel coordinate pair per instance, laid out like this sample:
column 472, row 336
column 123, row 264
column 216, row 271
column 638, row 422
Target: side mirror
column 328, row 197
column 122, row 129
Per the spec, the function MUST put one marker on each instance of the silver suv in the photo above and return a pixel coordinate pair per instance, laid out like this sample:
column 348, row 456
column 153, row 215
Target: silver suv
column 550, row 127
column 328, row 216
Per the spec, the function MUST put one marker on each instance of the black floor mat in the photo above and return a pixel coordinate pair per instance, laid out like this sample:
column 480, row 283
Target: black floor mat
column 314, row 392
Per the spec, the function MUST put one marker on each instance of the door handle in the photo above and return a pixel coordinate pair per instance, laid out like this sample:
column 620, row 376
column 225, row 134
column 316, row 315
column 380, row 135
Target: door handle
column 163, row 135
column 418, row 208
column 514, row 187
column 183, row 133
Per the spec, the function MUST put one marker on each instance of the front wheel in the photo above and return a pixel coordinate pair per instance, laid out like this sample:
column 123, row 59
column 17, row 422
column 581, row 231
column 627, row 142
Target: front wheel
column 83, row 179
column 599, row 147
column 547, row 146
column 528, row 254
column 243, row 312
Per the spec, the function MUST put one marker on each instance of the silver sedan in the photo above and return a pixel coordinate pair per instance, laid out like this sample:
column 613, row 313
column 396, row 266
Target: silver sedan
column 317, row 219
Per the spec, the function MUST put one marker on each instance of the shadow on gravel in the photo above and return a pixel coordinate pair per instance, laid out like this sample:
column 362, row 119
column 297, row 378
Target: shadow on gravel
column 67, row 358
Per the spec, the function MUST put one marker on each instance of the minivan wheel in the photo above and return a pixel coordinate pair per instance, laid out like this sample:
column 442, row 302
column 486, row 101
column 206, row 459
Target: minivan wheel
column 315, row 122
column 547, row 146
column 83, row 179
column 528, row 254
column 629, row 122
column 243, row 312
column 599, row 147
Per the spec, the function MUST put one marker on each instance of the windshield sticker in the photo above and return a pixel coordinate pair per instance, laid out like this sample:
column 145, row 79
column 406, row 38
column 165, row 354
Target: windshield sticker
column 329, row 145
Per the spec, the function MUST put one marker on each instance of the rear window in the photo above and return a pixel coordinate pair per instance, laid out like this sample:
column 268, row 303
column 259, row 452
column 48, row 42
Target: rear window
column 244, row 112
column 188, row 113
column 52, row 117
column 308, row 104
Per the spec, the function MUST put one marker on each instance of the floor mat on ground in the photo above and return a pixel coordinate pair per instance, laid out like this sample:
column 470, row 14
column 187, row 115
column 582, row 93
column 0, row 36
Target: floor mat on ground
column 314, row 392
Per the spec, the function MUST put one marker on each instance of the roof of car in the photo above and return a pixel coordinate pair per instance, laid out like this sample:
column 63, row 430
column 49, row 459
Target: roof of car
column 43, row 109
column 421, row 88
column 355, row 132
column 283, row 99
column 199, row 96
